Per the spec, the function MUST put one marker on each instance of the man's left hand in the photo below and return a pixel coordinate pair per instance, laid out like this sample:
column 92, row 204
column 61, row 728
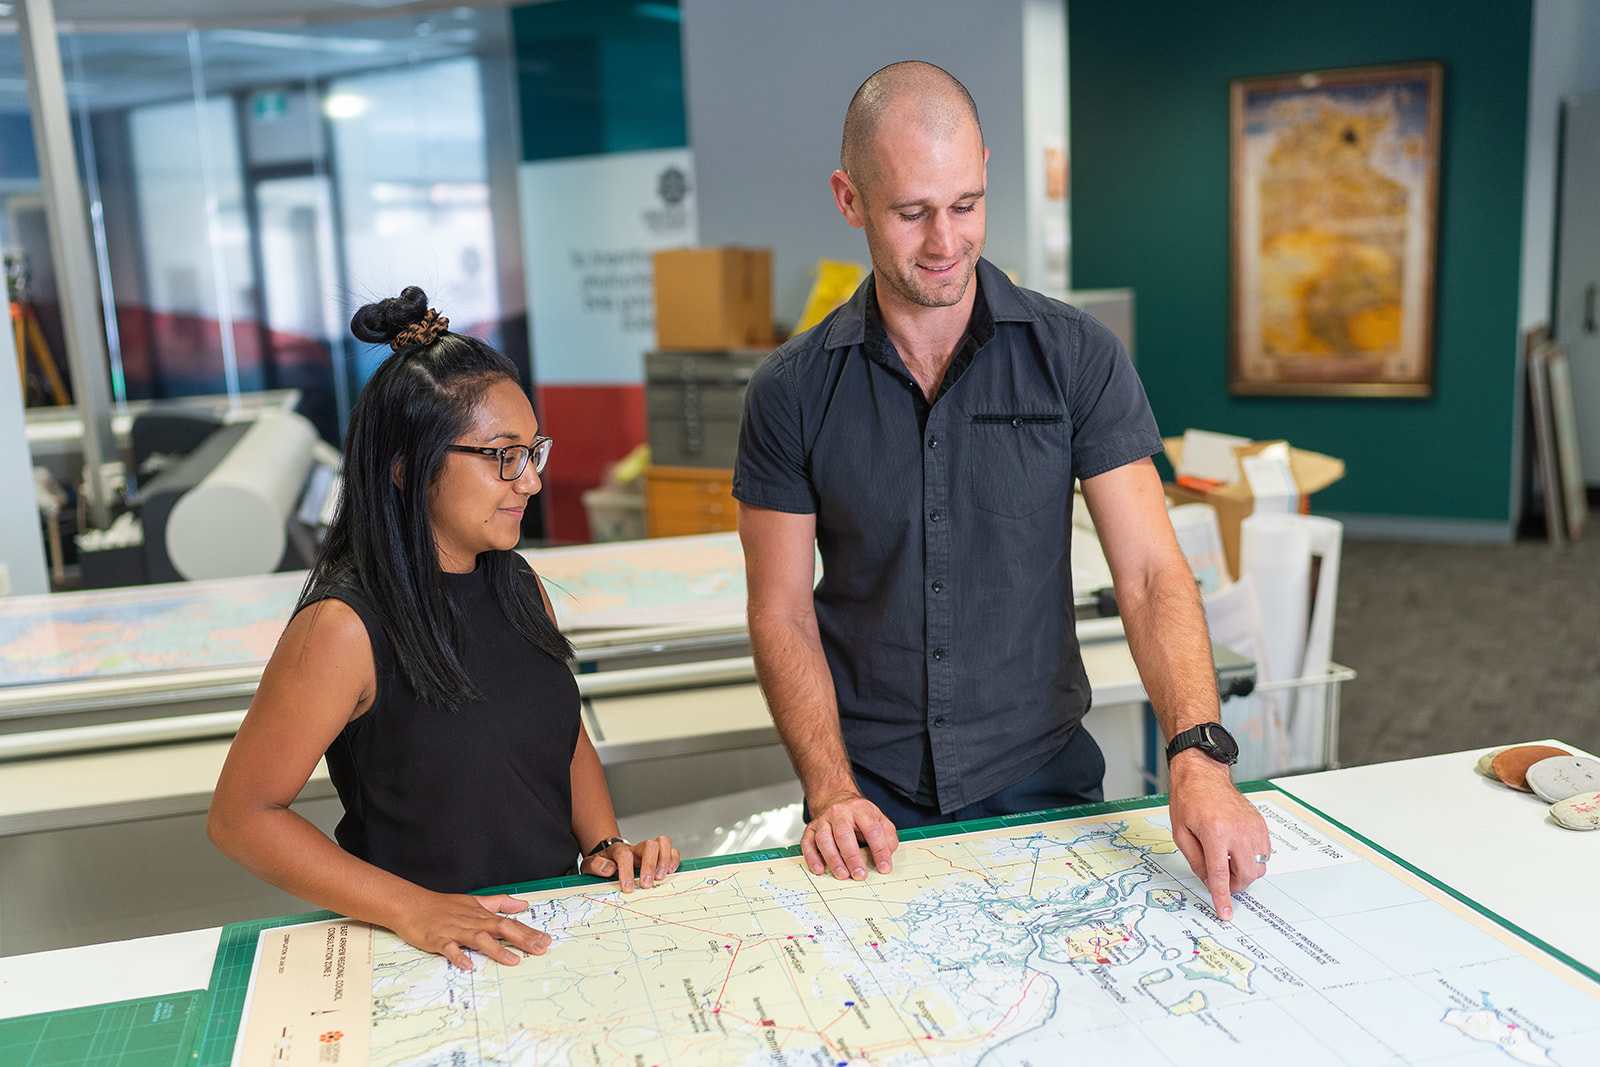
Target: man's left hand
column 1218, row 831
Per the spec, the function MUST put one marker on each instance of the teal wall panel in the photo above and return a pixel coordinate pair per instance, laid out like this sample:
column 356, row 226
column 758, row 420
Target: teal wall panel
column 597, row 76
column 1150, row 166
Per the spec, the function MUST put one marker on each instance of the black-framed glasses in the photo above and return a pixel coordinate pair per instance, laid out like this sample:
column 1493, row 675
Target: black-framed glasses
column 513, row 458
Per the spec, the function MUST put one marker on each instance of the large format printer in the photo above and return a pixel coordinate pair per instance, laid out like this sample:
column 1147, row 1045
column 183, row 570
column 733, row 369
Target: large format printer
column 219, row 497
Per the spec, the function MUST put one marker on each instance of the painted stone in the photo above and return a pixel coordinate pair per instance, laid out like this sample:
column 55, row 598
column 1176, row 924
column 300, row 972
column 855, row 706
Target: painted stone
column 1581, row 812
column 1511, row 766
column 1486, row 762
column 1560, row 777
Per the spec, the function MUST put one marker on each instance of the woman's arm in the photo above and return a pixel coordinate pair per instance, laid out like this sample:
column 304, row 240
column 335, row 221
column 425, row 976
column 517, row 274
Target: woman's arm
column 594, row 821
column 320, row 677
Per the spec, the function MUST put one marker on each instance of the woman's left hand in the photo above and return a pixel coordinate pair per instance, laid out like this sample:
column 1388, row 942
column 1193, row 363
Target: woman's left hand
column 653, row 859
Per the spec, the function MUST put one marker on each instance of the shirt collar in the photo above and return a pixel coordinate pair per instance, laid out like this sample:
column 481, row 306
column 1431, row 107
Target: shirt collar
column 998, row 301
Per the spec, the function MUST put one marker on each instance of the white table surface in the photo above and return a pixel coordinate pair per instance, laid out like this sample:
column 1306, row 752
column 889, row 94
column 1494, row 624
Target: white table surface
column 1496, row 846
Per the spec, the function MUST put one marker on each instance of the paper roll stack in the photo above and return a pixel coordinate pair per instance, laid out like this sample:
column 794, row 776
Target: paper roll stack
column 1276, row 556
column 233, row 522
column 1200, row 538
column 1256, row 721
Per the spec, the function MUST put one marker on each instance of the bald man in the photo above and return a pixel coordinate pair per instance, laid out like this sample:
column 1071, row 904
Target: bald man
column 925, row 437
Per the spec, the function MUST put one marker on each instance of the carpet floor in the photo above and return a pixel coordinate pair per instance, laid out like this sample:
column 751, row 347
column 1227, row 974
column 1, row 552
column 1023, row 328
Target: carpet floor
column 1467, row 646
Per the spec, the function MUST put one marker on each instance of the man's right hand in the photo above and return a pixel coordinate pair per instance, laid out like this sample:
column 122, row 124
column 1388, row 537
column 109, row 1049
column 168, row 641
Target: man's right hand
column 839, row 827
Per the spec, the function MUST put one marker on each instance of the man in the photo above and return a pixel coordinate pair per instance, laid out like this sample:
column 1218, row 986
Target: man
column 925, row 437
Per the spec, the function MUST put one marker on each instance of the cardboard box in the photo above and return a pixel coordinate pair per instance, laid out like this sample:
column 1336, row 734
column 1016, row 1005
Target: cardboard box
column 709, row 298
column 1312, row 472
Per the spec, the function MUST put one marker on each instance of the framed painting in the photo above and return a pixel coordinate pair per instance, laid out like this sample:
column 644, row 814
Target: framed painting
column 1334, row 205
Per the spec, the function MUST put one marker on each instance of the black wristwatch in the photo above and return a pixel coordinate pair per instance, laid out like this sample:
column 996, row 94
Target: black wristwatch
column 1208, row 737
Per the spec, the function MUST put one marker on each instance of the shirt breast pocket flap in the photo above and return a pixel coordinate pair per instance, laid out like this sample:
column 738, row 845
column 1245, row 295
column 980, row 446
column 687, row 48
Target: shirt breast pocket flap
column 1020, row 462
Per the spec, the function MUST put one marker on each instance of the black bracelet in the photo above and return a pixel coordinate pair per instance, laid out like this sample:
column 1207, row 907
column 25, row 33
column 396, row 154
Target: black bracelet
column 602, row 846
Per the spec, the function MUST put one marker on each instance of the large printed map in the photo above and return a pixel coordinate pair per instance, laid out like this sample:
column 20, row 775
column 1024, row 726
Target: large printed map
column 234, row 622
column 1085, row 939
column 60, row 637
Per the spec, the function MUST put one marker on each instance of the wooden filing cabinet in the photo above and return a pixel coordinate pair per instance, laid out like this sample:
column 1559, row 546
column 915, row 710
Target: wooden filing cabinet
column 688, row 500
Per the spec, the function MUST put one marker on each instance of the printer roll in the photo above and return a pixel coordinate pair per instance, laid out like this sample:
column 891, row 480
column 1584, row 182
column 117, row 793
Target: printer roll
column 1275, row 551
column 233, row 522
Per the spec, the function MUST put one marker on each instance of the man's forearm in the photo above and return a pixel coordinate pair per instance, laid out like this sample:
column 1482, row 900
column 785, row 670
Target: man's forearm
column 1166, row 630
column 794, row 677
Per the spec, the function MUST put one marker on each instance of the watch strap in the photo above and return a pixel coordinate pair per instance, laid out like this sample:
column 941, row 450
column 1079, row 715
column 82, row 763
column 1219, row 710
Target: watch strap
column 602, row 846
column 1203, row 737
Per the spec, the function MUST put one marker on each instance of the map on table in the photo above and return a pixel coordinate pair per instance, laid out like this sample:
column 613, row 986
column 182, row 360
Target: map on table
column 657, row 582
column 229, row 622
column 223, row 622
column 1018, row 944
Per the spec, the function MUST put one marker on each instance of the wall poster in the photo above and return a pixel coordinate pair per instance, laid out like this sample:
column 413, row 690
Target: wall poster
column 1334, row 198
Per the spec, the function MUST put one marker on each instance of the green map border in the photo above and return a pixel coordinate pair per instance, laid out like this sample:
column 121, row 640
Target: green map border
column 230, row 976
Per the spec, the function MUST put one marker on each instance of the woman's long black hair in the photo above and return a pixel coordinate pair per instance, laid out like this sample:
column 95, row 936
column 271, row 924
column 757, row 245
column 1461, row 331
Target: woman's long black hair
column 381, row 540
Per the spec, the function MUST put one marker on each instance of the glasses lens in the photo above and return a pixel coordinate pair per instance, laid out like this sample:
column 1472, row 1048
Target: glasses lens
column 541, row 453
column 512, row 459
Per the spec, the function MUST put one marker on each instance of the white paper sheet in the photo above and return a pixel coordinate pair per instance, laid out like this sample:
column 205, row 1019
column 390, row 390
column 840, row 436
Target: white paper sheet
column 1200, row 538
column 1308, row 724
column 1256, row 722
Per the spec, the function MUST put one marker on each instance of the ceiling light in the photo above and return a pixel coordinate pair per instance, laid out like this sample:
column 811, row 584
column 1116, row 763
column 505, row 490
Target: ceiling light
column 345, row 106
column 299, row 42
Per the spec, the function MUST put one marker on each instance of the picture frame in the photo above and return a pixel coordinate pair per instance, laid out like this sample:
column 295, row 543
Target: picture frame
column 1334, row 202
column 1544, row 442
column 1570, row 488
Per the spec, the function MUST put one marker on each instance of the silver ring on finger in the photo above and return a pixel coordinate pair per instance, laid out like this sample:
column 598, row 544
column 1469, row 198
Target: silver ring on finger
column 1261, row 859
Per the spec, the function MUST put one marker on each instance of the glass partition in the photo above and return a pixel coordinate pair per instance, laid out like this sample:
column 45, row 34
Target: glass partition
column 249, row 187
column 413, row 189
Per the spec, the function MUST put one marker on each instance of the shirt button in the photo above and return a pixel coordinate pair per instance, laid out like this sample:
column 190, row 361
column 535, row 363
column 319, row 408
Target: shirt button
column 939, row 721
column 933, row 516
column 933, row 442
column 1016, row 422
column 938, row 587
column 938, row 653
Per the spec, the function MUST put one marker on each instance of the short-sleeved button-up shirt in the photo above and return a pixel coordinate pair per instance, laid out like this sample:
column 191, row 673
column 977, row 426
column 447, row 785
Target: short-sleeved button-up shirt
column 945, row 530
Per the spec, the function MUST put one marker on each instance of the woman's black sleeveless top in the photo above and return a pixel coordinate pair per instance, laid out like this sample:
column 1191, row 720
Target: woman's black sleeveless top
column 466, row 799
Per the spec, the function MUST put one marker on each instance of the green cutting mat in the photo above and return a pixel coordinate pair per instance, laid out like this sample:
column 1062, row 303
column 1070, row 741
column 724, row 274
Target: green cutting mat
column 230, row 978
column 152, row 1032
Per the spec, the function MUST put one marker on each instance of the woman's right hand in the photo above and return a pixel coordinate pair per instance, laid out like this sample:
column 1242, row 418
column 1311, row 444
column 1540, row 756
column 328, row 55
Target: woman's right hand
column 450, row 924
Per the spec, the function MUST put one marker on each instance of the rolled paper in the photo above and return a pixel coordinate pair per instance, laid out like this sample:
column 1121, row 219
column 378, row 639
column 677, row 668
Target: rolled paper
column 233, row 522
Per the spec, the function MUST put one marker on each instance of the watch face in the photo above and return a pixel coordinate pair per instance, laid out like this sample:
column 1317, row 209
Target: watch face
column 1220, row 744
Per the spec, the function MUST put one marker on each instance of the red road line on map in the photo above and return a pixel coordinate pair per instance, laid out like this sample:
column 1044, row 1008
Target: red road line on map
column 952, row 866
column 1020, row 998
column 729, row 976
column 658, row 919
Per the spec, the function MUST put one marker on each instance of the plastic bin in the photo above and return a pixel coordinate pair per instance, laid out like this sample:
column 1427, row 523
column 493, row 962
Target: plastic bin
column 614, row 514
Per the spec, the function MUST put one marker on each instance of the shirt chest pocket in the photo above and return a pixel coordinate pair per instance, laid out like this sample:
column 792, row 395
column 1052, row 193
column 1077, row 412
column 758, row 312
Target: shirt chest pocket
column 1019, row 462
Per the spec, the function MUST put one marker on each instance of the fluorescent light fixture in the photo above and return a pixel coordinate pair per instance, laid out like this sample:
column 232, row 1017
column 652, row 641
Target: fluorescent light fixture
column 345, row 106
column 300, row 42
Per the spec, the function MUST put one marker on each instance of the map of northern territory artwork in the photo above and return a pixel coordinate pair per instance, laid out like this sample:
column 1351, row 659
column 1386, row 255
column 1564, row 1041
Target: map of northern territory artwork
column 1011, row 946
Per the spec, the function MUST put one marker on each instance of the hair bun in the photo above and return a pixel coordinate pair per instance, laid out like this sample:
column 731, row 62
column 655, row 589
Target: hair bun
column 383, row 322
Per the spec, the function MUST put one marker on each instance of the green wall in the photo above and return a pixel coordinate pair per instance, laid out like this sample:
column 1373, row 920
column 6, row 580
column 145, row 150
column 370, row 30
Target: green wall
column 1149, row 114
column 597, row 76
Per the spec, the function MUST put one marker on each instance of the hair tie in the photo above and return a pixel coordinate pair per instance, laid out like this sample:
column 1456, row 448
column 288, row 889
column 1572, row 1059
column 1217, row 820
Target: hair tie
column 423, row 332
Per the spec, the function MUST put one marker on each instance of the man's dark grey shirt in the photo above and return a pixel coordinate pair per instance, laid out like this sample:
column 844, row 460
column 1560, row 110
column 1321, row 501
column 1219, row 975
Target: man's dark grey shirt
column 945, row 605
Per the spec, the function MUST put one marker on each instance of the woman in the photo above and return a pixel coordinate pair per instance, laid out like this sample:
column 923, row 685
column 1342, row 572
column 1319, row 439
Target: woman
column 424, row 662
